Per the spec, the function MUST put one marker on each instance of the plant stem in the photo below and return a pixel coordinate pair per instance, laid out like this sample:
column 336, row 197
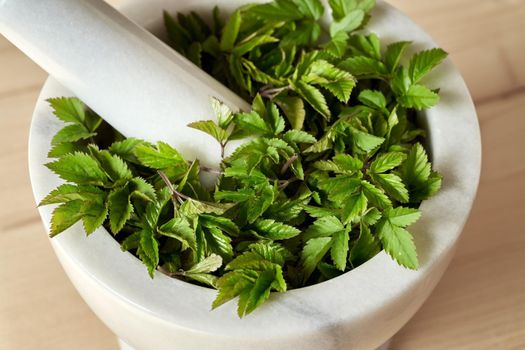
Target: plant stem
column 288, row 163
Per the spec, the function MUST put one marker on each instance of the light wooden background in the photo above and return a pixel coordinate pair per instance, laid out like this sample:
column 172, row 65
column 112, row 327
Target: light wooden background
column 480, row 302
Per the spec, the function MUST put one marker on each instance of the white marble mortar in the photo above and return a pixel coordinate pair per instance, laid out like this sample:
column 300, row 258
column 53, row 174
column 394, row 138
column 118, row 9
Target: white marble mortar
column 358, row 310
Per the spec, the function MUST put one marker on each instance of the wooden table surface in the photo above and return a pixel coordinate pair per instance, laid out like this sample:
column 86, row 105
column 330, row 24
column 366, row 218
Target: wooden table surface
column 479, row 303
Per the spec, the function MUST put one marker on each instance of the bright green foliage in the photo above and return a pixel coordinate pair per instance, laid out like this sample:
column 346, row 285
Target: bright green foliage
column 331, row 170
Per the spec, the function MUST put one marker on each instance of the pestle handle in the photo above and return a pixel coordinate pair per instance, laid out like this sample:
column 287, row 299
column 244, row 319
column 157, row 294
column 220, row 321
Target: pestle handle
column 135, row 82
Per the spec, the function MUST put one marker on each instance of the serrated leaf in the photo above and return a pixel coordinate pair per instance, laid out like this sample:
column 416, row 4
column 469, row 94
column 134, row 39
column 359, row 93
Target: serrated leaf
column 65, row 216
column 253, row 123
column 161, row 157
column 366, row 142
column 222, row 112
column 280, row 10
column 354, row 207
column 79, row 168
column 361, row 66
column 231, row 31
column 125, row 149
column 249, row 300
column 399, row 244
column 339, row 250
column 313, row 96
column 148, row 250
column 339, row 82
column 374, row 99
column 142, row 189
column 313, row 252
column 275, row 230
column 259, row 204
column 340, row 187
column 310, row 8
column 393, row 185
column 114, row 166
column 209, row 127
column 68, row 109
column 210, row 264
column 365, row 248
column 120, row 208
column 402, row 217
column 253, row 43
column 394, row 53
column 223, row 223
column 418, row 97
column 375, row 195
column 71, row 133
column 180, row 229
column 387, row 161
column 293, row 109
column 219, row 243
column 298, row 136
column 423, row 62
column 350, row 22
column 325, row 226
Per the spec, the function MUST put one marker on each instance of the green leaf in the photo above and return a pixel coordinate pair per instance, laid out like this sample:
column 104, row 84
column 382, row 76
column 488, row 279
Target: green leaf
column 398, row 243
column 161, row 157
column 259, row 204
column 275, row 230
column 64, row 216
column 80, row 168
column 374, row 99
column 231, row 31
column 418, row 97
column 249, row 300
column 423, row 62
column 365, row 248
column 354, row 207
column 71, row 133
column 210, row 264
column 94, row 214
column 180, row 229
column 293, row 109
column 148, row 250
column 67, row 192
column 298, row 136
column 418, row 176
column 280, row 10
column 393, row 185
column 339, row 82
column 403, row 217
column 222, row 112
column 253, row 123
column 313, row 252
column 393, row 54
column 125, row 149
column 366, row 142
column 341, row 7
column 350, row 22
column 313, row 96
column 339, row 188
column 375, row 195
column 361, row 66
column 275, row 120
column 114, row 166
column 253, row 43
column 323, row 227
column 387, row 161
column 219, row 243
column 310, row 8
column 120, row 208
column 210, row 128
column 68, row 109
column 339, row 251
column 142, row 189
column 223, row 223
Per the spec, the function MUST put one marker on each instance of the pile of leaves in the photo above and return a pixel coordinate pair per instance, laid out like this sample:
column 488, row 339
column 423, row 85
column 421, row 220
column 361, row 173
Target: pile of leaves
column 333, row 171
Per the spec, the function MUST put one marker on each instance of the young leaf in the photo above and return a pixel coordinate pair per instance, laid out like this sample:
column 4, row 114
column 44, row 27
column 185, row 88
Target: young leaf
column 339, row 250
column 120, row 208
column 398, row 243
column 313, row 96
column 313, row 252
column 64, row 216
column 419, row 97
column 161, row 157
column 68, row 109
column 393, row 54
column 366, row 247
column 210, row 128
column 423, row 62
column 275, row 230
column 231, row 31
column 79, row 168
column 387, row 161
column 148, row 250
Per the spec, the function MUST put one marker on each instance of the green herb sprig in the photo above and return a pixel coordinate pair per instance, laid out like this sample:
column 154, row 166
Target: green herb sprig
column 334, row 170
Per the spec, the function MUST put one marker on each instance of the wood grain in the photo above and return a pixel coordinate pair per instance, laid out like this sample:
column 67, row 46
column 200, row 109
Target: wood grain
column 480, row 302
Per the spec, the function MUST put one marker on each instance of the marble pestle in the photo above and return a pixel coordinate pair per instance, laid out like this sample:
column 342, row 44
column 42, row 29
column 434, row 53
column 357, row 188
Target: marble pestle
column 135, row 82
